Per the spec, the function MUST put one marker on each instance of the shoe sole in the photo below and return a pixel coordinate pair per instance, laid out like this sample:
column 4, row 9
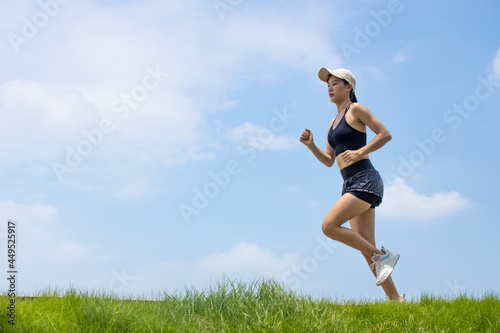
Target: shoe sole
column 378, row 283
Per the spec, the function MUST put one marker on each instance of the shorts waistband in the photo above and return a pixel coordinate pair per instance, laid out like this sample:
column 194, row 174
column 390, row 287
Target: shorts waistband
column 354, row 168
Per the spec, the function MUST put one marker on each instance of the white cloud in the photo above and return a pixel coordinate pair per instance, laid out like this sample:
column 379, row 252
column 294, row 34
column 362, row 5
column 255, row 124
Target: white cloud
column 34, row 218
column 40, row 241
column 102, row 52
column 36, row 123
column 295, row 39
column 260, row 138
column 68, row 252
column 377, row 73
column 400, row 58
column 206, row 56
column 403, row 202
column 314, row 203
column 38, row 214
column 246, row 260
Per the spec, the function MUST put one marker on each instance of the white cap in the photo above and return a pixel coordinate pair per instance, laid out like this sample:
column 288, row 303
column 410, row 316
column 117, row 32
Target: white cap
column 341, row 73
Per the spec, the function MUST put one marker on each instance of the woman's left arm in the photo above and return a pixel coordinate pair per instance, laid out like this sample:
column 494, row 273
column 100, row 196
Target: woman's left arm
column 361, row 113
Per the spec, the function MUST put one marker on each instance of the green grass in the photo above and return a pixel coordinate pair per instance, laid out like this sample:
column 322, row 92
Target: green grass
column 261, row 306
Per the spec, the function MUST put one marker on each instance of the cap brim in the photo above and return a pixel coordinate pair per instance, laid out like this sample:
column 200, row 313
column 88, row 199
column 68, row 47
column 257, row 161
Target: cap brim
column 324, row 73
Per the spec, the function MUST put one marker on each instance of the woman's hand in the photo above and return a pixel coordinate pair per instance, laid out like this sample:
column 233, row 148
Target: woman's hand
column 351, row 156
column 307, row 137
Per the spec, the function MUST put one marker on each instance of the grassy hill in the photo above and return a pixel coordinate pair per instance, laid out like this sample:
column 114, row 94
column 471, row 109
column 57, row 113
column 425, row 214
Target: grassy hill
column 262, row 306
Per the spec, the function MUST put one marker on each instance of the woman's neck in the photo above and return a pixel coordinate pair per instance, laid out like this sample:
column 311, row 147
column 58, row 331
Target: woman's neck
column 341, row 106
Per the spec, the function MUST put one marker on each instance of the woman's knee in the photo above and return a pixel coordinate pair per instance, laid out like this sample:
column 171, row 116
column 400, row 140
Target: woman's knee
column 329, row 229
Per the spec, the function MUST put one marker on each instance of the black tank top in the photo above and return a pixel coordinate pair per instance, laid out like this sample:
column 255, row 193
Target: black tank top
column 345, row 137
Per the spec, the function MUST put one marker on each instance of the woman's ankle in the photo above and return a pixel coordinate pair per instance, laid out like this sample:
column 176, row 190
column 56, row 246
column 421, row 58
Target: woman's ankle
column 399, row 298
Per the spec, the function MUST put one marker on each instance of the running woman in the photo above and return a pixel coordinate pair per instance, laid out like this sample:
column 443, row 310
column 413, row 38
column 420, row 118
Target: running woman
column 363, row 189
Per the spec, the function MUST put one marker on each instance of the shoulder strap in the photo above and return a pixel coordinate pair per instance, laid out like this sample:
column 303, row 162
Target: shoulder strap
column 347, row 108
column 345, row 112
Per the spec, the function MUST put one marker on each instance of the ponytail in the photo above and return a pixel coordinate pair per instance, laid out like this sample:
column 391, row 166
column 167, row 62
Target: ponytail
column 352, row 97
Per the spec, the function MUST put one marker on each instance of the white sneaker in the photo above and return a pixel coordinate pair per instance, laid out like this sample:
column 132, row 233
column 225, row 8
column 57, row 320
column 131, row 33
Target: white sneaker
column 384, row 265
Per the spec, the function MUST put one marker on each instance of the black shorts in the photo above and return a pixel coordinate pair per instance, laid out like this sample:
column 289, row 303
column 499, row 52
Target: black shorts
column 363, row 181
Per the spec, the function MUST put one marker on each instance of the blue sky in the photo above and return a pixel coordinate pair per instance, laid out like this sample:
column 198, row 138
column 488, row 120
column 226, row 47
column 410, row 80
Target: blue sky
column 152, row 145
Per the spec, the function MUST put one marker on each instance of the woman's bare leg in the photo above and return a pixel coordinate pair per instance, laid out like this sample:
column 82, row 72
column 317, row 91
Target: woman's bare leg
column 364, row 225
column 345, row 209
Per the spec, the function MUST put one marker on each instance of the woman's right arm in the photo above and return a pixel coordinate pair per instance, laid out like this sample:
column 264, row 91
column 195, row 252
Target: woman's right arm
column 327, row 158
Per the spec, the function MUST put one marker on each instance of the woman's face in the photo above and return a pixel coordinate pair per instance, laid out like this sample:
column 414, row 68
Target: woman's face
column 337, row 89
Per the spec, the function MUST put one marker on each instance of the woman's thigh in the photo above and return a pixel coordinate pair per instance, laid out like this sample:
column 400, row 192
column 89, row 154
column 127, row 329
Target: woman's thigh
column 345, row 209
